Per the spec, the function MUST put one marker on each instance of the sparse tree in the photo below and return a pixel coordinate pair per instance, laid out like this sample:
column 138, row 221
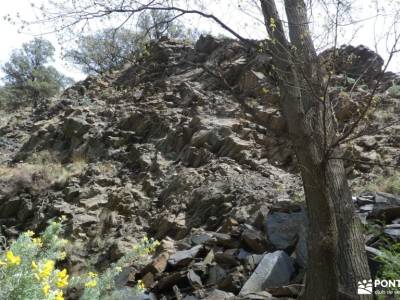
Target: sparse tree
column 28, row 76
column 110, row 49
column 106, row 50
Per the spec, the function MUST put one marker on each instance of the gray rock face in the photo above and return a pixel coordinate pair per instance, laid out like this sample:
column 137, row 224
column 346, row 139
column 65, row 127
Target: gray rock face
column 163, row 147
column 275, row 269
column 355, row 61
column 183, row 258
column 283, row 228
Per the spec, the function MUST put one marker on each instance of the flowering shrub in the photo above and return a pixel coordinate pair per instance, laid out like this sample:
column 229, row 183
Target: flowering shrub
column 28, row 269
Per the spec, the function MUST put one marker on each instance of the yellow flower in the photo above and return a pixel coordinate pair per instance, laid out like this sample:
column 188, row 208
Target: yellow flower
column 59, row 295
column 12, row 259
column 140, row 285
column 62, row 278
column 91, row 283
column 64, row 242
column 34, row 265
column 46, row 289
column 63, row 255
column 92, row 275
column 118, row 269
column 29, row 233
column 38, row 242
column 45, row 272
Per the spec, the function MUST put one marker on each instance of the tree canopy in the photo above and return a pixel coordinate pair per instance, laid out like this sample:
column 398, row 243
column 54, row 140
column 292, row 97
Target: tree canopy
column 110, row 48
column 28, row 77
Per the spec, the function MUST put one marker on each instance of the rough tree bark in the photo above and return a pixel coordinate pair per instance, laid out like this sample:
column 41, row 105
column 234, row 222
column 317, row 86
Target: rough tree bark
column 337, row 258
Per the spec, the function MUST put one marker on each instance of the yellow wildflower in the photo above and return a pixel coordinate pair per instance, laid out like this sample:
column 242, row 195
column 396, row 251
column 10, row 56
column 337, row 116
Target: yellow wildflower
column 29, row 233
column 64, row 242
column 46, row 289
column 91, row 283
column 272, row 24
column 62, row 278
column 118, row 269
column 59, row 295
column 63, row 255
column 92, row 274
column 38, row 242
column 140, row 285
column 45, row 272
column 34, row 265
column 12, row 259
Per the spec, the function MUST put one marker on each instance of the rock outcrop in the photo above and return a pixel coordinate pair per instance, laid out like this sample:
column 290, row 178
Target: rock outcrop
column 187, row 145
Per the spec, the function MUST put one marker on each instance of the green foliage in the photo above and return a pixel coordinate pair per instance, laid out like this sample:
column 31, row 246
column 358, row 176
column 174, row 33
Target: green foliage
column 394, row 91
column 110, row 49
column 390, row 259
column 387, row 184
column 28, row 269
column 154, row 24
column 28, row 76
column 105, row 50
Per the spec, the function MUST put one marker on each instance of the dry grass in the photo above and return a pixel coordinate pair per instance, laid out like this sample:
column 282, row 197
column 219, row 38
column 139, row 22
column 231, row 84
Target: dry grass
column 388, row 184
column 39, row 172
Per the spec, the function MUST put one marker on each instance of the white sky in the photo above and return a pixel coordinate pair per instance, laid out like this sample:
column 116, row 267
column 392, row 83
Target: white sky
column 226, row 10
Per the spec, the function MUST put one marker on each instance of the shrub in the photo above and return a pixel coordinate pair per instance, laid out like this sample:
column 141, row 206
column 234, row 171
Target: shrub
column 28, row 268
column 388, row 184
column 390, row 269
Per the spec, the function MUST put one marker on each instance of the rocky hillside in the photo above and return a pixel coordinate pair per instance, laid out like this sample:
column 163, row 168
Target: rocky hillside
column 188, row 146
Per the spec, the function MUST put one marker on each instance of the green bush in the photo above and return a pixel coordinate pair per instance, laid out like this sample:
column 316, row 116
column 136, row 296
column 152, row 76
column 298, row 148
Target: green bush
column 28, row 269
column 387, row 184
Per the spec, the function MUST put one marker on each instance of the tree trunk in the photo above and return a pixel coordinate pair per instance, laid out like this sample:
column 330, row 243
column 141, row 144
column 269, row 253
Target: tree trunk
column 353, row 263
column 322, row 267
column 336, row 251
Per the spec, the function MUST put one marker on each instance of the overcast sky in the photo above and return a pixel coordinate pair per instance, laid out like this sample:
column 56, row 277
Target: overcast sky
column 225, row 9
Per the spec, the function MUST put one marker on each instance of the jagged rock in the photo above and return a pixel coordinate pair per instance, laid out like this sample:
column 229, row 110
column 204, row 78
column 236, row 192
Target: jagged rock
column 250, row 81
column 194, row 279
column 202, row 238
column 227, row 258
column 168, row 281
column 355, row 61
column 10, row 207
column 207, row 44
column 393, row 231
column 166, row 148
column 386, row 207
column 219, row 295
column 183, row 258
column 288, row 231
column 286, row 291
column 226, row 240
column 254, row 240
column 258, row 296
column 275, row 269
column 173, row 226
column 158, row 265
column 283, row 228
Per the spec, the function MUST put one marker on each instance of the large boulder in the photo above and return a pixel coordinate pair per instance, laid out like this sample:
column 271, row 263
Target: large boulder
column 354, row 61
column 275, row 269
